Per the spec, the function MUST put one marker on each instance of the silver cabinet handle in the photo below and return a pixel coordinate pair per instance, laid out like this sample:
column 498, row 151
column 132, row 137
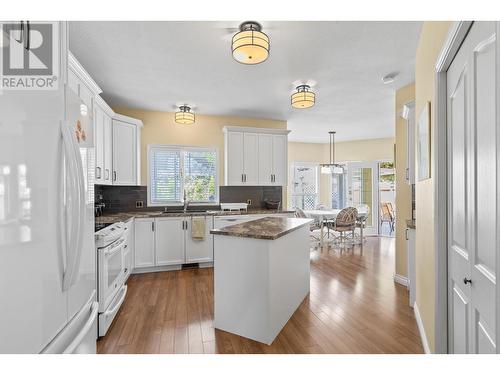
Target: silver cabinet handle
column 98, row 172
column 152, row 226
column 114, row 175
column 406, row 234
column 242, row 179
column 407, row 174
column 107, row 174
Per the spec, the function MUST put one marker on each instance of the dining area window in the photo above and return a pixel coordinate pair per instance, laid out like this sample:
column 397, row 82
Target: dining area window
column 304, row 185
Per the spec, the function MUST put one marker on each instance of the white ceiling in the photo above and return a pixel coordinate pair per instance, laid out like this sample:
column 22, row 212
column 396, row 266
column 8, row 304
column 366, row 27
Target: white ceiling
column 156, row 65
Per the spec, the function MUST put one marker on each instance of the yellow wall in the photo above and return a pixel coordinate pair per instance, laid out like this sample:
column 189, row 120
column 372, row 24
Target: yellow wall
column 160, row 128
column 364, row 150
column 431, row 41
column 403, row 190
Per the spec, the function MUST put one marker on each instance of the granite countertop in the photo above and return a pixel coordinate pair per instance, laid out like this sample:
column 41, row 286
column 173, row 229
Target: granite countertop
column 411, row 224
column 267, row 228
column 124, row 216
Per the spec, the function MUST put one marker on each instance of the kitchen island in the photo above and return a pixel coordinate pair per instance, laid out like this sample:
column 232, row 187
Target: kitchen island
column 261, row 275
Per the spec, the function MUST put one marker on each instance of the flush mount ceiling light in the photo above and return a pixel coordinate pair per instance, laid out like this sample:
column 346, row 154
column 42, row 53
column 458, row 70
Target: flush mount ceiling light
column 304, row 97
column 250, row 45
column 184, row 115
column 332, row 167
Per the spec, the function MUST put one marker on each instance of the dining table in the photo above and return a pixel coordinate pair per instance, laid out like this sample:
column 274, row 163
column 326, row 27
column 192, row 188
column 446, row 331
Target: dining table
column 320, row 216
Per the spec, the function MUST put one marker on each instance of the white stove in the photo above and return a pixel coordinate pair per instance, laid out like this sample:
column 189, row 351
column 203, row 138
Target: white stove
column 110, row 244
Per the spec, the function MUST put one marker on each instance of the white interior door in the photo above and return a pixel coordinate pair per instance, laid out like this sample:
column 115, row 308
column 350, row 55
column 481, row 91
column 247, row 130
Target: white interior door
column 362, row 188
column 472, row 190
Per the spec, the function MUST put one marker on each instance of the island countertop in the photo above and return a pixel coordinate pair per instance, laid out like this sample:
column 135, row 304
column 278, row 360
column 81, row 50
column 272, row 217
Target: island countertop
column 267, row 228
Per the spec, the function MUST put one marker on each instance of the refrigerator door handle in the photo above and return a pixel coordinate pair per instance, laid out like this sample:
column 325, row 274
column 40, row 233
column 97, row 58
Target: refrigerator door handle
column 86, row 328
column 77, row 192
column 68, row 217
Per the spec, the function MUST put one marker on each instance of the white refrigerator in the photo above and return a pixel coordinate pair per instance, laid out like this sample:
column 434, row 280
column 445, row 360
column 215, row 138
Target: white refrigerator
column 47, row 252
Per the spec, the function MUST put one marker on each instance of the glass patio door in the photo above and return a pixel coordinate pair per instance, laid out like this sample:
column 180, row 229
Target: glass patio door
column 362, row 188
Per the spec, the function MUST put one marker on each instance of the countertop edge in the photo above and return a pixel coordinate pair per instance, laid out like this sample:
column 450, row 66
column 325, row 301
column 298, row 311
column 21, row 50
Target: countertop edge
column 221, row 232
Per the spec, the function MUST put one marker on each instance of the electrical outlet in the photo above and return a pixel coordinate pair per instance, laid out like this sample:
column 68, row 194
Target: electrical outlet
column 139, row 204
column 249, row 202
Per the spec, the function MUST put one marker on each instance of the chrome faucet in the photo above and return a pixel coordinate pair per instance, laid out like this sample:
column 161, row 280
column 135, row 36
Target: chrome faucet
column 186, row 202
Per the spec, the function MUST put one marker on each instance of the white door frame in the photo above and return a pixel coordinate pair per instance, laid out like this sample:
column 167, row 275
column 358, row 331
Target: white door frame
column 374, row 165
column 456, row 36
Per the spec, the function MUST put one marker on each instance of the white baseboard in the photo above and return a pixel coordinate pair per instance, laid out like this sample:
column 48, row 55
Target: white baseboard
column 421, row 330
column 403, row 280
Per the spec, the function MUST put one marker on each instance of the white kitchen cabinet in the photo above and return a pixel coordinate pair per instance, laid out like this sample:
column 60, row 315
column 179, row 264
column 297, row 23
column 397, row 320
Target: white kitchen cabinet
column 103, row 137
column 144, row 243
column 265, row 156
column 234, row 164
column 129, row 247
column 169, row 241
column 255, row 156
column 99, row 144
column 280, row 159
column 124, row 153
column 226, row 220
column 199, row 250
column 250, row 159
column 272, row 155
column 108, row 149
column 116, row 137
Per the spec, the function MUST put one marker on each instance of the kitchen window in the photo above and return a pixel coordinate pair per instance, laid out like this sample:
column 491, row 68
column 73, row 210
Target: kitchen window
column 178, row 170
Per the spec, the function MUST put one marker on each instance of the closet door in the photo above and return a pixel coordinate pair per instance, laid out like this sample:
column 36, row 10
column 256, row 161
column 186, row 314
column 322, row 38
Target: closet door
column 472, row 218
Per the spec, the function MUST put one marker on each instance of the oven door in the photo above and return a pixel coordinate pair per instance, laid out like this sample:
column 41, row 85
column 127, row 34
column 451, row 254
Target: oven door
column 111, row 272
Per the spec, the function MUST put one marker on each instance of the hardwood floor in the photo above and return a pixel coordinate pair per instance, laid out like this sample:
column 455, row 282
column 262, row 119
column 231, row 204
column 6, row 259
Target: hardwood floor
column 354, row 307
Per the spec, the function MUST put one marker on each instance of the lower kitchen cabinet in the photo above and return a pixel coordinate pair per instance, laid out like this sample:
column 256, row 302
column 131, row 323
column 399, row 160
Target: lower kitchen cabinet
column 169, row 241
column 144, row 243
column 129, row 247
column 199, row 250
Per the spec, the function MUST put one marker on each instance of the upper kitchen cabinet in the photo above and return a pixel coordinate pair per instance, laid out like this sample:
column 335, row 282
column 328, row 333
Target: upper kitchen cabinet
column 126, row 141
column 116, row 137
column 255, row 156
column 82, row 84
column 103, row 136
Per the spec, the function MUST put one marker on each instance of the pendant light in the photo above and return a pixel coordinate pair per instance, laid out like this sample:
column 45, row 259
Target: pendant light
column 184, row 115
column 332, row 167
column 303, row 98
column 250, row 45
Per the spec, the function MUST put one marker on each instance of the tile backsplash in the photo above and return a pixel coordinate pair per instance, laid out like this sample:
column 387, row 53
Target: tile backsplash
column 257, row 194
column 124, row 198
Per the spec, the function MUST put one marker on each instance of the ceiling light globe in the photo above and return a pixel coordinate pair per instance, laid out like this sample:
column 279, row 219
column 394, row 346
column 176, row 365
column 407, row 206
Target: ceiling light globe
column 184, row 116
column 303, row 98
column 250, row 46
